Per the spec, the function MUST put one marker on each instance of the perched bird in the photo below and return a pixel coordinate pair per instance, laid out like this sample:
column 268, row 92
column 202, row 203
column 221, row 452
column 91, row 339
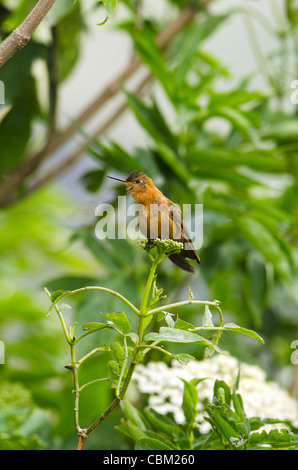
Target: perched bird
column 160, row 218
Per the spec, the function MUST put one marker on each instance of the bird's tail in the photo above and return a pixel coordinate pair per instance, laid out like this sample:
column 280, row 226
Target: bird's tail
column 181, row 262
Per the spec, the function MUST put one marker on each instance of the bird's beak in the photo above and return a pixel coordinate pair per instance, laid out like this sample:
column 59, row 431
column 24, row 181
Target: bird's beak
column 118, row 179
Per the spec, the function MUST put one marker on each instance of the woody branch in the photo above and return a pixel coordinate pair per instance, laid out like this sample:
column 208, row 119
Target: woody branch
column 22, row 34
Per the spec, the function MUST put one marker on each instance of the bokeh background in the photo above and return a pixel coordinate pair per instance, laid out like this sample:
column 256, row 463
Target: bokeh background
column 199, row 95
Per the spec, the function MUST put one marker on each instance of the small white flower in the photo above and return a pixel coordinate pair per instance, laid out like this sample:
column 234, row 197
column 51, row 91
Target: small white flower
column 262, row 398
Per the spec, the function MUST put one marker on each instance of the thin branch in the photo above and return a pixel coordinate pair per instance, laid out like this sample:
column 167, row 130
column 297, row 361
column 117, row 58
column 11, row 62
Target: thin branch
column 22, row 35
column 99, row 288
column 30, row 164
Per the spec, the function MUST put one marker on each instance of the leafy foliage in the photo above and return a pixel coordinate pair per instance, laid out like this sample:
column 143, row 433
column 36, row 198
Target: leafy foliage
column 126, row 357
column 226, row 144
column 230, row 428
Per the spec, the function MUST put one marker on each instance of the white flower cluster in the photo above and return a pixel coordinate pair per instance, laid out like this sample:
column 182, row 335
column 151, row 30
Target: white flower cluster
column 262, row 398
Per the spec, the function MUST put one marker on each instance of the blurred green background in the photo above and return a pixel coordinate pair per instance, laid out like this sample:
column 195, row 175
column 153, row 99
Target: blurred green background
column 202, row 97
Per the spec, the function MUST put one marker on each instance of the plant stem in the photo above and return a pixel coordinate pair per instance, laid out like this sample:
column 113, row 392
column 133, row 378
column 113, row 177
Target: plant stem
column 60, row 316
column 76, row 389
column 123, row 367
column 188, row 302
column 103, row 289
column 143, row 308
column 120, row 392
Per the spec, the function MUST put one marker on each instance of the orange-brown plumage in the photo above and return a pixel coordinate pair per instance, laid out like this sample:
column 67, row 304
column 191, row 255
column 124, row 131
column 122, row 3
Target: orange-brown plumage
column 159, row 217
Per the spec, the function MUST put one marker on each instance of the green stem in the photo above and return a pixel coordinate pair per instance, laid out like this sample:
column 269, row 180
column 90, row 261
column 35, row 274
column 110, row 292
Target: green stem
column 187, row 302
column 75, row 374
column 123, row 367
column 60, row 317
column 94, row 351
column 148, row 286
column 143, row 308
column 87, row 288
column 192, row 302
column 92, row 382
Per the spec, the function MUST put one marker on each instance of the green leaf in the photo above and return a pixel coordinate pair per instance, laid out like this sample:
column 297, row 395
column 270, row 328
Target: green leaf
column 120, row 320
column 234, row 98
column 239, row 120
column 277, row 439
column 222, row 392
column 183, row 325
column 69, row 30
column 93, row 326
column 292, row 11
column 219, row 421
column 110, row 6
column 232, row 327
column 14, row 124
column 170, row 158
column 56, row 294
column 148, row 443
column 283, row 132
column 161, row 423
column 118, row 351
column 189, row 402
column 133, row 414
column 151, row 55
column 266, row 242
column 152, row 121
column 114, row 157
column 255, row 287
column 239, row 409
column 174, row 335
column 131, row 430
column 93, row 179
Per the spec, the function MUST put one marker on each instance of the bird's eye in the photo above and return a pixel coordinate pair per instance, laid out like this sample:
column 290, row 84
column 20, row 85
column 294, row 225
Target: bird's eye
column 138, row 181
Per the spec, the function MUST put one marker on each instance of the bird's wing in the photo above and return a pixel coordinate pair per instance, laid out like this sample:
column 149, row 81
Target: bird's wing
column 182, row 235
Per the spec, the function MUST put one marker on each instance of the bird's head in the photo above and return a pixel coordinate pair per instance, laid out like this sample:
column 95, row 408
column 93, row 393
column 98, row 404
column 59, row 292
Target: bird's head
column 139, row 185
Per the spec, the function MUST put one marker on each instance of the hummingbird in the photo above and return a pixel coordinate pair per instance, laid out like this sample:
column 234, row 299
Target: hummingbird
column 160, row 218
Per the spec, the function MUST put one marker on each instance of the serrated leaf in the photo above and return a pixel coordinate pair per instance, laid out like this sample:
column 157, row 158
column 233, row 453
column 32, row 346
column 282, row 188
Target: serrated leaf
column 120, row 320
column 95, row 326
column 232, row 327
column 183, row 325
column 275, row 438
column 56, row 294
column 147, row 443
column 174, row 335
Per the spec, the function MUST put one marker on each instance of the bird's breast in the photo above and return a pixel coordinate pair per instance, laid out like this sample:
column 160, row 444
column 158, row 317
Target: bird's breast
column 156, row 221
